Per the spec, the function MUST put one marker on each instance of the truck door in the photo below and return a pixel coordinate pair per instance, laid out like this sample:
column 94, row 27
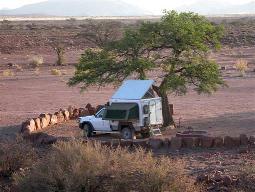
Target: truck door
column 99, row 123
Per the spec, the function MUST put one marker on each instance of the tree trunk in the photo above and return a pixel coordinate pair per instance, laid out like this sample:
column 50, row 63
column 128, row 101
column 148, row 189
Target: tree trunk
column 167, row 116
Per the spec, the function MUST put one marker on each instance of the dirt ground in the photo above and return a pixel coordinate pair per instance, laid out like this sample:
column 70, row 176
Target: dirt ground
column 229, row 111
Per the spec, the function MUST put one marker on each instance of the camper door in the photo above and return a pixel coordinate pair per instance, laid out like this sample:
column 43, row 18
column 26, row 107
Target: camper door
column 156, row 116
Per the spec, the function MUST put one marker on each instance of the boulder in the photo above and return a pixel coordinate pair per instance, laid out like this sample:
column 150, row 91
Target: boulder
column 88, row 106
column 197, row 142
column 155, row 143
column 76, row 113
column 231, row 142
column 176, row 143
column 218, row 142
column 66, row 115
column 92, row 111
column 70, row 109
column 142, row 143
column 252, row 140
column 44, row 122
column 46, row 116
column 188, row 142
column 83, row 112
column 60, row 117
column 38, row 123
column 99, row 107
column 28, row 126
column 207, row 142
column 244, row 140
column 53, row 120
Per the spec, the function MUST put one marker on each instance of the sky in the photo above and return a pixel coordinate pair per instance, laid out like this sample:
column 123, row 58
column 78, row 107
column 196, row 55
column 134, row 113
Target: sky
column 154, row 6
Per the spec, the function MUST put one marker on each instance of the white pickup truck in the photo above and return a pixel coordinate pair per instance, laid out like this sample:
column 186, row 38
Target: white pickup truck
column 132, row 109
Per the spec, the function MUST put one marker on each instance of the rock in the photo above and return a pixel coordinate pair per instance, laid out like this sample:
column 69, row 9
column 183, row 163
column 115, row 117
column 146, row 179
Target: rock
column 88, row 106
column 70, row 109
column 38, row 123
column 53, row 120
column 49, row 140
column 126, row 143
column 252, row 140
column 231, row 142
column 44, row 122
column 197, row 142
column 60, row 117
column 83, row 112
column 99, row 107
column 166, row 142
column 140, row 144
column 28, row 127
column 188, row 142
column 207, row 142
column 244, row 140
column 155, row 143
column 66, row 115
column 92, row 111
column 46, row 116
column 218, row 142
column 176, row 143
column 76, row 113
column 41, row 138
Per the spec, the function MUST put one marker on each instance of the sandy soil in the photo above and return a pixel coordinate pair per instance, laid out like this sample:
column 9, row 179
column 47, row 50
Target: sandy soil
column 230, row 111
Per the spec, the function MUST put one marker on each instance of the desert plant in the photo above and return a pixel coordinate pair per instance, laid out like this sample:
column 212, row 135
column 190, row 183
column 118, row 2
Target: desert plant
column 60, row 50
column 36, row 61
column 241, row 65
column 8, row 73
column 75, row 166
column 18, row 67
column 56, row 72
column 15, row 155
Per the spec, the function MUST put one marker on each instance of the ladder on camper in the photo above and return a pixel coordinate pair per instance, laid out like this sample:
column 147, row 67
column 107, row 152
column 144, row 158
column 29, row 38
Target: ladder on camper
column 155, row 131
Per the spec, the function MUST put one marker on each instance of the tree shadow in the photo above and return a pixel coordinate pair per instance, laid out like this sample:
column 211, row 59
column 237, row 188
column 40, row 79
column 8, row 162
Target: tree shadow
column 232, row 124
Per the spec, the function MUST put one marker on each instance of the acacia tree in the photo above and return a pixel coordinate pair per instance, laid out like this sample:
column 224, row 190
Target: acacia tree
column 177, row 47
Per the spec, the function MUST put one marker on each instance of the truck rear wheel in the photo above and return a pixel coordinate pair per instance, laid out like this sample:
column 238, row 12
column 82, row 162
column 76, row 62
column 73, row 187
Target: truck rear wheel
column 87, row 130
column 128, row 133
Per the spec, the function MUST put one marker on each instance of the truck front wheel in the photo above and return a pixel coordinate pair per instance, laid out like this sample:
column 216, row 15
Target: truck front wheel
column 87, row 130
column 128, row 133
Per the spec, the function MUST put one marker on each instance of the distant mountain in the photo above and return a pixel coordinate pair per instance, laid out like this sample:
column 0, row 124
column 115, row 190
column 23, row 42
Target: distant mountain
column 78, row 8
column 210, row 7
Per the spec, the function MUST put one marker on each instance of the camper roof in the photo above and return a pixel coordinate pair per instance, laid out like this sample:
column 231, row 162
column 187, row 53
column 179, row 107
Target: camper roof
column 133, row 89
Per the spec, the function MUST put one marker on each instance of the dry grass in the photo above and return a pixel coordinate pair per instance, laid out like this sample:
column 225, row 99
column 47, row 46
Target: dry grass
column 15, row 155
column 8, row 73
column 76, row 166
column 242, row 66
column 56, row 72
column 36, row 61
column 37, row 71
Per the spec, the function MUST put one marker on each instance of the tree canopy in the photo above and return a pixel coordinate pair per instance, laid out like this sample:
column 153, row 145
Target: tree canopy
column 177, row 48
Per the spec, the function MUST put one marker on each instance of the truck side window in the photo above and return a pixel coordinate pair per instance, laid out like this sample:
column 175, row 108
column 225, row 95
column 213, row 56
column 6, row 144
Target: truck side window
column 100, row 114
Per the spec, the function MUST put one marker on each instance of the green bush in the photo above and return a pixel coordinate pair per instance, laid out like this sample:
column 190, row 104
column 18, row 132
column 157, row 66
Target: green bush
column 79, row 167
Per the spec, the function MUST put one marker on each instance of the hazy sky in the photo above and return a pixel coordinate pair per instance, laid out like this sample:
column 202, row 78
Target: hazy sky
column 155, row 6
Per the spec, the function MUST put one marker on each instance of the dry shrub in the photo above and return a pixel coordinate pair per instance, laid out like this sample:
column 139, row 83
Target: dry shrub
column 242, row 66
column 246, row 179
column 37, row 71
column 56, row 72
column 15, row 154
column 36, row 61
column 8, row 73
column 75, row 166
